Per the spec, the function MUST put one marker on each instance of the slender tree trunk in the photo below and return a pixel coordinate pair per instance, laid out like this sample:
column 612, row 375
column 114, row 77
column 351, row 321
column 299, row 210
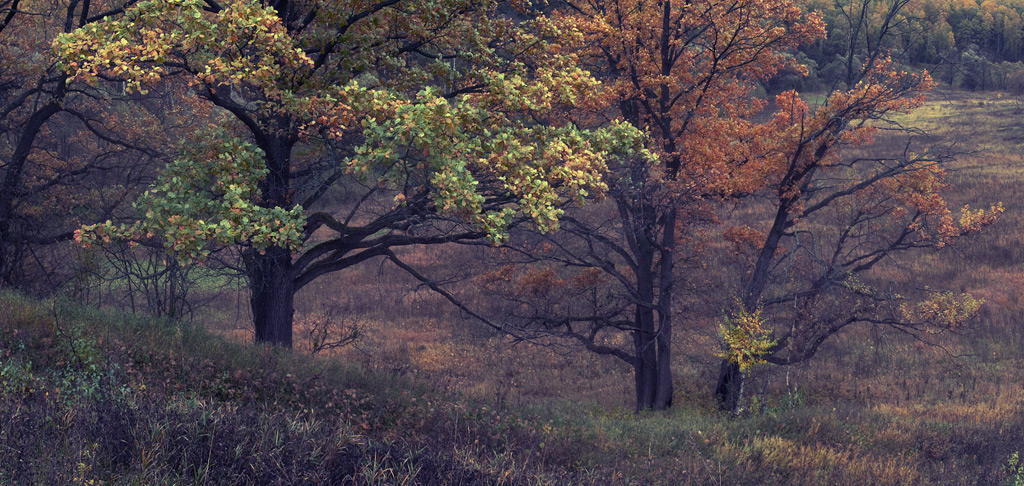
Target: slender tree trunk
column 952, row 72
column 644, row 371
column 729, row 388
column 645, row 337
column 9, row 235
column 663, row 369
column 663, row 397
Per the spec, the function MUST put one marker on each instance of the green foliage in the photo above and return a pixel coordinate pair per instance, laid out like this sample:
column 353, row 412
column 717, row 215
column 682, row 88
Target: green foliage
column 242, row 43
column 16, row 376
column 470, row 142
column 1015, row 470
column 468, row 151
column 745, row 338
column 974, row 45
column 207, row 196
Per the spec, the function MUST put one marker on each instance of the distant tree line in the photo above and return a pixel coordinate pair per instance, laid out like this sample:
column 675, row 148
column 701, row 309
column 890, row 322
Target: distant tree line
column 965, row 44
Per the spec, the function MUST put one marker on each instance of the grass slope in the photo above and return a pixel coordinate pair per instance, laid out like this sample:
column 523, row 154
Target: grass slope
column 88, row 397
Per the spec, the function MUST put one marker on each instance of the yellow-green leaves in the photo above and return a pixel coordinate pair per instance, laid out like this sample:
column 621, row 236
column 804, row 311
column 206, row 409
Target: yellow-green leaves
column 499, row 150
column 470, row 152
column 244, row 42
column 942, row 311
column 206, row 197
column 746, row 339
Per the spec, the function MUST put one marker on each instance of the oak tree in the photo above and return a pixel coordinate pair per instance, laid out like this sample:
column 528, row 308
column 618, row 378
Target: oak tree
column 682, row 72
column 835, row 216
column 424, row 121
column 841, row 207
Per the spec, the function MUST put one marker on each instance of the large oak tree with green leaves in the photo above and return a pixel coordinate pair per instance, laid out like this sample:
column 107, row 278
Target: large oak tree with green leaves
column 423, row 121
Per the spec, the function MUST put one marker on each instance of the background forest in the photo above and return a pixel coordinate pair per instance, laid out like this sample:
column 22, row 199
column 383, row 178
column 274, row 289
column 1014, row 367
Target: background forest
column 967, row 45
column 479, row 242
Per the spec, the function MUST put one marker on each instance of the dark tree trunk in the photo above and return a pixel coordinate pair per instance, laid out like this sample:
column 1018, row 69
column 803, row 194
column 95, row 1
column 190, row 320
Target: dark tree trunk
column 663, row 397
column 663, row 370
column 643, row 372
column 653, row 318
column 646, row 367
column 271, row 280
column 652, row 368
column 272, row 296
column 729, row 390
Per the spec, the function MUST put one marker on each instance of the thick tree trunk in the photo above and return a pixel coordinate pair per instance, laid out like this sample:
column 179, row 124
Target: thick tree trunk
column 271, row 280
column 729, row 390
column 272, row 296
column 652, row 371
column 652, row 334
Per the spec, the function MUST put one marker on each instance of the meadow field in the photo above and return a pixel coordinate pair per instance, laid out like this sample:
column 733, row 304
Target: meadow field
column 423, row 394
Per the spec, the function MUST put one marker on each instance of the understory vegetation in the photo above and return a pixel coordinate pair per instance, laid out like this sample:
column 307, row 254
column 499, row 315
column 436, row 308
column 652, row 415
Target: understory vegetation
column 101, row 398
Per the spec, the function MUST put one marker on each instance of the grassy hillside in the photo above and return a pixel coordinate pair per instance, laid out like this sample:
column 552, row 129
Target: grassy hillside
column 98, row 398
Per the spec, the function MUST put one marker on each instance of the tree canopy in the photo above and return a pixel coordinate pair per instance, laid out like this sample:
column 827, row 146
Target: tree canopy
column 445, row 117
column 68, row 155
column 683, row 72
